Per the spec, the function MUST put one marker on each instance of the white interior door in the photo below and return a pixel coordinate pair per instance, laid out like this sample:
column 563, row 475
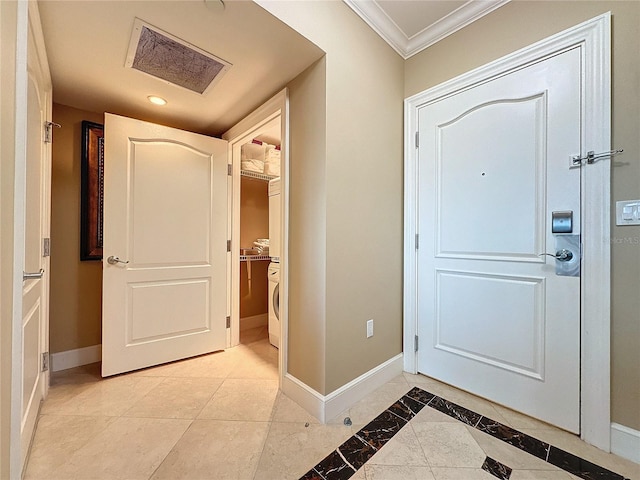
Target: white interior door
column 35, row 290
column 493, row 317
column 165, row 220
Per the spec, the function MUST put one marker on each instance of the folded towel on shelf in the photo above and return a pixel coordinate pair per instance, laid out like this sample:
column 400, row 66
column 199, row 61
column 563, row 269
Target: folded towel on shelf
column 272, row 169
column 272, row 161
column 252, row 151
column 252, row 165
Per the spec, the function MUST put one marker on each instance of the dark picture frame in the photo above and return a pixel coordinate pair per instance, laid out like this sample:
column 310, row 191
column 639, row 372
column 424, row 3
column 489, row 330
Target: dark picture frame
column 92, row 191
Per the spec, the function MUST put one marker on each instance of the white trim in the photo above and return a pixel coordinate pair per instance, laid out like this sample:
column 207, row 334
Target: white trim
column 593, row 37
column 304, row 395
column 325, row 408
column 347, row 395
column 276, row 106
column 254, row 321
column 383, row 25
column 625, row 442
column 75, row 358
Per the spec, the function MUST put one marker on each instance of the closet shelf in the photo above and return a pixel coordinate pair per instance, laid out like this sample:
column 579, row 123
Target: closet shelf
column 254, row 258
column 258, row 176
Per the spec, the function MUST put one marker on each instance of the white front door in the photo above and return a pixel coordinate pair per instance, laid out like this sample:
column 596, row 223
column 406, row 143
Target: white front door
column 494, row 318
column 35, row 285
column 165, row 222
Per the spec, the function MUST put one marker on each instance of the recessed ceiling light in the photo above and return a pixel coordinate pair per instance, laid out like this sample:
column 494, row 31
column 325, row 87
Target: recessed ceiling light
column 157, row 100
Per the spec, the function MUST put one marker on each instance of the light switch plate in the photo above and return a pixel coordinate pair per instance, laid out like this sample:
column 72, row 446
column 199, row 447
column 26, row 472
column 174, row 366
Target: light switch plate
column 628, row 212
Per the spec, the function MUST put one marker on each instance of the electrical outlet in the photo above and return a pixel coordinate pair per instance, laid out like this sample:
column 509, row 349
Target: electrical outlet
column 369, row 328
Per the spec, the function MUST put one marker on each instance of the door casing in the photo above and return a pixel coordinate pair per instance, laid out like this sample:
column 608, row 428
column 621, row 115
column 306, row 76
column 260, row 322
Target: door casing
column 277, row 106
column 593, row 37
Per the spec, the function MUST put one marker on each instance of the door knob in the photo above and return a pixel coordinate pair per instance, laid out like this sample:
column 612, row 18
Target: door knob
column 115, row 260
column 562, row 255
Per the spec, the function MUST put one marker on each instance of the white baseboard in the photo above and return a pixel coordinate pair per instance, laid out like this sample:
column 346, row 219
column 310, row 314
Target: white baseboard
column 341, row 399
column 75, row 358
column 325, row 408
column 255, row 321
column 625, row 442
column 304, row 395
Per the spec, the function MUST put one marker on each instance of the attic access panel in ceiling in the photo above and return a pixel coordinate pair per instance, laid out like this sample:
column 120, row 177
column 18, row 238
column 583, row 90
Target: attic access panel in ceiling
column 169, row 58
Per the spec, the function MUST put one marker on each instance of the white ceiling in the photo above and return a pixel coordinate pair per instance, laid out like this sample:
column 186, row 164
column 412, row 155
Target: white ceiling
column 410, row 26
column 87, row 43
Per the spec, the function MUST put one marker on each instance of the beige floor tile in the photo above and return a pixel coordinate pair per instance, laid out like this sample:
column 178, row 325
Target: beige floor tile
column 509, row 455
column 128, row 448
column 449, row 445
column 251, row 335
column 573, row 444
column 242, row 399
column 213, row 449
column 57, row 438
column 519, row 420
column 403, row 449
column 359, row 475
column 397, row 472
column 259, row 362
column 373, row 404
column 461, row 474
column 109, row 397
column 212, row 365
column 539, row 475
column 176, row 398
column 288, row 411
column 292, row 449
column 428, row 414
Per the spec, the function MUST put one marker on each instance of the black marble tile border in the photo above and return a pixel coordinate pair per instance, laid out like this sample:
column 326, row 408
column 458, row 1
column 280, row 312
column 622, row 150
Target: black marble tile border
column 497, row 469
column 342, row 463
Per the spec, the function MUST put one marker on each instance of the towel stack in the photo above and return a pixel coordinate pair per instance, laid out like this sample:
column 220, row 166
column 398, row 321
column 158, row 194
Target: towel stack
column 260, row 157
column 272, row 161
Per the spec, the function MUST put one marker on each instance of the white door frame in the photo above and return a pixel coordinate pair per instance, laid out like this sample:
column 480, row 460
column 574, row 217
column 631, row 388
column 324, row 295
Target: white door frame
column 278, row 105
column 594, row 39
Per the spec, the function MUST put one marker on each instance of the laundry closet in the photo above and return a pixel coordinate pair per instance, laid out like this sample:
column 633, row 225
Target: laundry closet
column 259, row 230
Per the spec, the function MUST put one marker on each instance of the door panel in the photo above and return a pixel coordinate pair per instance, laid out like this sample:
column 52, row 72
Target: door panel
column 165, row 213
column 476, row 190
column 493, row 317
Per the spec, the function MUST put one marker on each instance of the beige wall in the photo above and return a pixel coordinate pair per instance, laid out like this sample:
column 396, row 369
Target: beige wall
column 7, row 155
column 363, row 182
column 254, row 223
column 254, row 211
column 307, row 226
column 517, row 25
column 76, row 287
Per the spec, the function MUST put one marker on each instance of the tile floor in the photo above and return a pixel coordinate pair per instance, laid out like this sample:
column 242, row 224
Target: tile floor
column 220, row 416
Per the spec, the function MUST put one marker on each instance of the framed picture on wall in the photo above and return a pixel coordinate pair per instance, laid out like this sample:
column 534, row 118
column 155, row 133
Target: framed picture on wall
column 92, row 192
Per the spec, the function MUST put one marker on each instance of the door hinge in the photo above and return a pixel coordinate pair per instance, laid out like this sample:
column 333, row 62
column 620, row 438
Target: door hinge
column 417, row 241
column 229, row 169
column 46, row 247
column 415, row 343
column 45, row 362
column 417, row 139
column 48, row 131
column 228, row 322
column 228, row 245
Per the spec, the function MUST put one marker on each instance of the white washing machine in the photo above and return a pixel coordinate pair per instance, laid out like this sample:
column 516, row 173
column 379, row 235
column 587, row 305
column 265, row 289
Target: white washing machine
column 274, row 303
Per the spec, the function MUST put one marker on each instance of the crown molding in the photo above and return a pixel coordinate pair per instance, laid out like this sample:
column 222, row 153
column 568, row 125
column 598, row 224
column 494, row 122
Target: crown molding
column 383, row 25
